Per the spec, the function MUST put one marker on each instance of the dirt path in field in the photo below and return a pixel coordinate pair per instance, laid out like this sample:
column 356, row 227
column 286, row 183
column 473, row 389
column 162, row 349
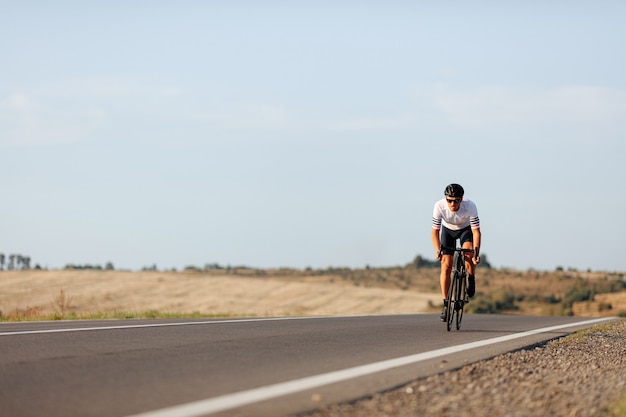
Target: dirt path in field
column 89, row 291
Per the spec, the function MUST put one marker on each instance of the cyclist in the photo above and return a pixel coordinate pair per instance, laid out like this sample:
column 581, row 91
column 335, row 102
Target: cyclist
column 455, row 218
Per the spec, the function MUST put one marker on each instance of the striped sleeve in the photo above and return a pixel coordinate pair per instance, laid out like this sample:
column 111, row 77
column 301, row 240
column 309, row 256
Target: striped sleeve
column 475, row 222
column 437, row 216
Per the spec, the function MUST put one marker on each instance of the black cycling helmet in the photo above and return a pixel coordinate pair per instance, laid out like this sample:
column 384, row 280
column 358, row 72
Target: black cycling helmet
column 454, row 190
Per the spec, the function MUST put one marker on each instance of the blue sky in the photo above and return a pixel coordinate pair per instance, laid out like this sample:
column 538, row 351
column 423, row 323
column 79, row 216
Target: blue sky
column 310, row 133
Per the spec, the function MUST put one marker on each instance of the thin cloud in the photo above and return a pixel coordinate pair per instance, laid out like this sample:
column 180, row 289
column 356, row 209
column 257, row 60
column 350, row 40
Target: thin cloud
column 497, row 106
column 24, row 121
column 72, row 110
column 582, row 113
column 374, row 123
column 243, row 116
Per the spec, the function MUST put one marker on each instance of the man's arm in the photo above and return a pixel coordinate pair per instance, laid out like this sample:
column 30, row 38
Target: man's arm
column 476, row 237
column 436, row 243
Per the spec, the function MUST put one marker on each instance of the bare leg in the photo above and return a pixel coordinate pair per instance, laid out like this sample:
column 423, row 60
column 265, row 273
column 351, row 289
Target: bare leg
column 469, row 264
column 444, row 279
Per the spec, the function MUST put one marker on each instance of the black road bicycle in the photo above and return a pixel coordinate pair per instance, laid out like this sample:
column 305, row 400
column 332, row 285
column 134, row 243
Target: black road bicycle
column 457, row 293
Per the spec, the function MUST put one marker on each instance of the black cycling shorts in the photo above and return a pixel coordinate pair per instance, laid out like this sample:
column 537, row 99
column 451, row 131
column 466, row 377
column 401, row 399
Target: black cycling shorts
column 449, row 237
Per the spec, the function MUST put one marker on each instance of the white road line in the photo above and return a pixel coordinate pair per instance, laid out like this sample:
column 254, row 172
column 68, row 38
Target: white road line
column 239, row 399
column 139, row 326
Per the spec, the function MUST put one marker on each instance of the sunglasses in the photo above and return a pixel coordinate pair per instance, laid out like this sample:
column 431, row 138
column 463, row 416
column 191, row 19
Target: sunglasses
column 454, row 200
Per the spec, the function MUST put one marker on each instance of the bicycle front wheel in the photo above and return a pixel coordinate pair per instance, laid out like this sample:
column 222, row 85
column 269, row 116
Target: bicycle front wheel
column 460, row 298
column 452, row 300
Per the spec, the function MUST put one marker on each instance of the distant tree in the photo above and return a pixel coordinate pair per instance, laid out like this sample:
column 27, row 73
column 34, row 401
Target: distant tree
column 11, row 262
column 109, row 266
column 483, row 261
column 192, row 268
column 420, row 262
column 2, row 259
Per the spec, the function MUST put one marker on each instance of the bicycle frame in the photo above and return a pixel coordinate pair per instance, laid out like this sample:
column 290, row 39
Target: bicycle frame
column 457, row 295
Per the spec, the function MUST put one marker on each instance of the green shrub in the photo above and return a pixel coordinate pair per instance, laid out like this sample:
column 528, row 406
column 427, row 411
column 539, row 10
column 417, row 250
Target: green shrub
column 496, row 302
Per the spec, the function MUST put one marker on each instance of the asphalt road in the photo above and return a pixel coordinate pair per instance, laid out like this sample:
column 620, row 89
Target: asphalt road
column 256, row 367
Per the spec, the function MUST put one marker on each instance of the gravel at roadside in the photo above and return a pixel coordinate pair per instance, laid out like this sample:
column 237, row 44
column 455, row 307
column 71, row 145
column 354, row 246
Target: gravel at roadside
column 580, row 375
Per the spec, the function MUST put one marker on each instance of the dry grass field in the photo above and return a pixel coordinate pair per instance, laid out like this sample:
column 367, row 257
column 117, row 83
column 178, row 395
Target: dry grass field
column 33, row 294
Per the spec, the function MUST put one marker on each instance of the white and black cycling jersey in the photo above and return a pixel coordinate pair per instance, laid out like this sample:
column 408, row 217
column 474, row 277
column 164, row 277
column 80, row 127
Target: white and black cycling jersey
column 466, row 215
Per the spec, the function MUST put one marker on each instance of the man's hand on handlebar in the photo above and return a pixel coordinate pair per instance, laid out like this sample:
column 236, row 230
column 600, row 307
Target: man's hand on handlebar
column 476, row 258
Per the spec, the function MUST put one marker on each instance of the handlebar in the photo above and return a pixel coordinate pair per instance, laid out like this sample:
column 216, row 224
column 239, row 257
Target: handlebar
column 462, row 250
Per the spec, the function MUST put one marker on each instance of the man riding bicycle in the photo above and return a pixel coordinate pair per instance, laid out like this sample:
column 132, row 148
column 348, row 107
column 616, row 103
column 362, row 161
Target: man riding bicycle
column 455, row 218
